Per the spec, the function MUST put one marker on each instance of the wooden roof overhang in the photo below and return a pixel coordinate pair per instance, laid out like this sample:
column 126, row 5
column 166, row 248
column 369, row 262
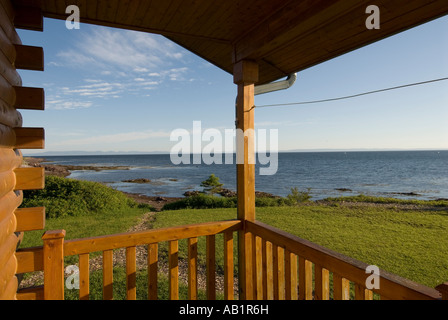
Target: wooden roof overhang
column 282, row 36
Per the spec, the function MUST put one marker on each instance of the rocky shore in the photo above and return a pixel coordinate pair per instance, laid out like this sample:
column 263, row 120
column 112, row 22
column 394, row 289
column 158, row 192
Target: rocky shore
column 65, row 170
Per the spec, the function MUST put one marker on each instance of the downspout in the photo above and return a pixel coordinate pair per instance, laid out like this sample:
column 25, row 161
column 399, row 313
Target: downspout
column 276, row 86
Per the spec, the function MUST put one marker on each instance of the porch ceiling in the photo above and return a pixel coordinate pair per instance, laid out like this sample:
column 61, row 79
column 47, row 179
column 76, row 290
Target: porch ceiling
column 283, row 36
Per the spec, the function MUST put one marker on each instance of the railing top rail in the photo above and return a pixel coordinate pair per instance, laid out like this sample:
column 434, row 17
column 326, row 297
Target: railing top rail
column 391, row 286
column 109, row 242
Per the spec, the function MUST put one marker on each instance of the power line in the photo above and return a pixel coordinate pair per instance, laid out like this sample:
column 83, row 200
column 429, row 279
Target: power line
column 352, row 96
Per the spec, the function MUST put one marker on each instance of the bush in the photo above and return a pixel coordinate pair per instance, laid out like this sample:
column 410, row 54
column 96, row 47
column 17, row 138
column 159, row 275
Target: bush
column 201, row 201
column 68, row 197
column 296, row 197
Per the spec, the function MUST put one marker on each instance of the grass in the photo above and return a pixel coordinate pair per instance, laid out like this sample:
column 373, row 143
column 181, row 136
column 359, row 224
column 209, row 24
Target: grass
column 384, row 200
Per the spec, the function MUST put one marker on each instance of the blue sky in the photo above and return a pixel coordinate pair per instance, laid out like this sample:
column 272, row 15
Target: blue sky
column 122, row 91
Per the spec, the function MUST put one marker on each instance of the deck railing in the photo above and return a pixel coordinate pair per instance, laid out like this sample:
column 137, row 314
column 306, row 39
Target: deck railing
column 283, row 266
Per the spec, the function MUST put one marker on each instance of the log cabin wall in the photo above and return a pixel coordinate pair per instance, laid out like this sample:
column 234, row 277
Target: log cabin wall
column 14, row 176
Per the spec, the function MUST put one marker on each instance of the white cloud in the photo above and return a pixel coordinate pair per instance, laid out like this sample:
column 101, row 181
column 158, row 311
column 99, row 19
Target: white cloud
column 127, row 50
column 67, row 105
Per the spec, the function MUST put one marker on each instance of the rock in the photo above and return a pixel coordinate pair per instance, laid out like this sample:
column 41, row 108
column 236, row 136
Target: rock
column 191, row 193
column 140, row 180
column 227, row 193
column 344, row 190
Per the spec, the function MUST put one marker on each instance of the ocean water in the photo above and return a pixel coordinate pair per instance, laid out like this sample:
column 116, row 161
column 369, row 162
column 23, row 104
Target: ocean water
column 399, row 174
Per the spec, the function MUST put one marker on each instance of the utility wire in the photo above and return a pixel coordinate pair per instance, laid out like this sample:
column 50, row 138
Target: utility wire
column 352, row 96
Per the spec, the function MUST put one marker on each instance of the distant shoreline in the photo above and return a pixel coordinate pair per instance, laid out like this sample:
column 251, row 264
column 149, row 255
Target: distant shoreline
column 65, row 170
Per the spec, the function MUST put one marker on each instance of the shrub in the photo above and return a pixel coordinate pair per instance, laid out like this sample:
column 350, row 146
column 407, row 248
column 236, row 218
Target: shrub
column 201, row 201
column 68, row 197
column 296, row 197
column 204, row 201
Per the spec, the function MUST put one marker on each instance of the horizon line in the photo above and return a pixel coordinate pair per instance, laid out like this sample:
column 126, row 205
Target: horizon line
column 80, row 153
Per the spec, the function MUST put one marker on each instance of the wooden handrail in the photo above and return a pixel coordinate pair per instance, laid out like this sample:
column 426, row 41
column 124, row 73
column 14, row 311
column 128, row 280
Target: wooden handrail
column 391, row 286
column 110, row 242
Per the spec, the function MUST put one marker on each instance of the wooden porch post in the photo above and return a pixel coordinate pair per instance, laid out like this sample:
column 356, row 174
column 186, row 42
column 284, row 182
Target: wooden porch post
column 245, row 76
column 54, row 265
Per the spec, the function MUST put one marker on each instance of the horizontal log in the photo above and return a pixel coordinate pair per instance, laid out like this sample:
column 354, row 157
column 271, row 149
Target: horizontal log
column 7, row 92
column 7, row 47
column 11, row 290
column 29, row 18
column 80, row 246
column 7, row 25
column 30, row 138
column 7, row 249
column 7, row 137
column 7, row 226
column 10, row 159
column 7, row 184
column 29, row 98
column 7, row 273
column 9, row 116
column 30, row 178
column 392, row 286
column 34, row 293
column 29, row 58
column 6, row 5
column 30, row 260
column 9, row 203
column 8, row 71
column 30, row 219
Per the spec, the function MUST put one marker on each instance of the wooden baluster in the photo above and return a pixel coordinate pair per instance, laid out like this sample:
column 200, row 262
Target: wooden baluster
column 269, row 271
column 291, row 276
column 131, row 270
column 341, row 288
column 321, row 283
column 192, row 268
column 174, row 270
column 53, row 252
column 361, row 293
column 84, row 276
column 228, row 266
column 281, row 273
column 305, row 279
column 152, row 270
column 108, row 274
column 258, row 267
column 275, row 270
column 210, row 266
